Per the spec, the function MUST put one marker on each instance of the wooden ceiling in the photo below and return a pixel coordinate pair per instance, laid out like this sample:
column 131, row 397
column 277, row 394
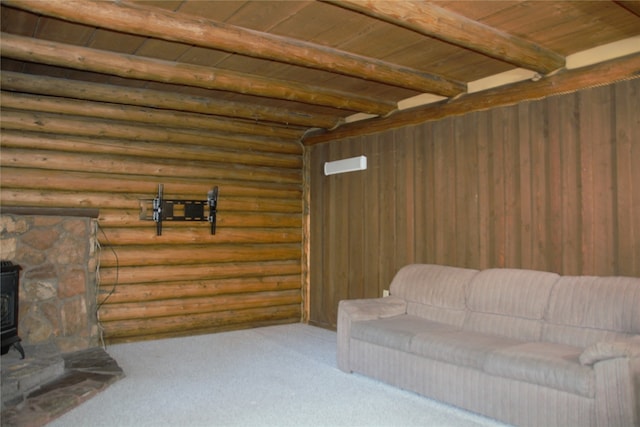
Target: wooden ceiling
column 309, row 69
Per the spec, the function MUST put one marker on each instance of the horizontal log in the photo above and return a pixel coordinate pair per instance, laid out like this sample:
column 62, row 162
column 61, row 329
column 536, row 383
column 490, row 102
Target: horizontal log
column 184, row 256
column 19, row 139
column 120, row 218
column 150, row 116
column 230, row 205
column 198, row 288
column 151, row 274
column 201, row 331
column 195, row 234
column 168, row 25
column 79, row 162
column 156, row 328
column 140, row 186
column 233, row 204
column 188, row 307
column 44, row 198
column 60, row 199
column 156, row 70
column 25, row 121
column 110, row 218
column 166, row 100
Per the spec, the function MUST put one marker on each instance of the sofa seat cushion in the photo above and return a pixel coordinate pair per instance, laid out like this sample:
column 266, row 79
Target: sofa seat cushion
column 547, row 364
column 395, row 332
column 463, row 348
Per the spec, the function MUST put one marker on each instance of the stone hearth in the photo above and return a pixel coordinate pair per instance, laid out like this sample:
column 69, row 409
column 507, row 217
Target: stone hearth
column 45, row 385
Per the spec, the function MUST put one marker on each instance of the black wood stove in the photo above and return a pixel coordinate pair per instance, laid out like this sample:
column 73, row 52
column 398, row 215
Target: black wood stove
column 9, row 286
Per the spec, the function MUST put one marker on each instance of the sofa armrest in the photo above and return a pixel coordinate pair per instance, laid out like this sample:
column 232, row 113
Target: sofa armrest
column 362, row 309
column 617, row 390
column 373, row 308
column 617, row 372
column 629, row 348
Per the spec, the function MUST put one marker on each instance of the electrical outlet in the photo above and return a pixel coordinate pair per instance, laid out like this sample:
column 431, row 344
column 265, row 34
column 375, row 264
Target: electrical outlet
column 385, row 293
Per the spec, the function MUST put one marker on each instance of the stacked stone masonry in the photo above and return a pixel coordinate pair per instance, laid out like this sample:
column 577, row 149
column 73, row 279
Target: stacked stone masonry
column 58, row 281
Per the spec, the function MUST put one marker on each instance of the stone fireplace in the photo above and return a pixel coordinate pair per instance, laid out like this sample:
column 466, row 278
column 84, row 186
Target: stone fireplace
column 57, row 252
column 64, row 365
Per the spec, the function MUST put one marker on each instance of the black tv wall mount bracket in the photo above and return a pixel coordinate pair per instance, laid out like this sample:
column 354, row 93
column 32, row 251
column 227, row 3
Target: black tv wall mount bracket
column 179, row 210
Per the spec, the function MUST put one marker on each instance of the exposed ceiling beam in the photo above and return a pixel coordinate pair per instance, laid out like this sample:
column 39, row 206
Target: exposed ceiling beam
column 168, row 25
column 565, row 81
column 135, row 67
column 434, row 21
column 52, row 86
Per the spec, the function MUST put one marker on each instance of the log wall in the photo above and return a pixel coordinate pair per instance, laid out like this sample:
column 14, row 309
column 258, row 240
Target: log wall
column 549, row 185
column 59, row 153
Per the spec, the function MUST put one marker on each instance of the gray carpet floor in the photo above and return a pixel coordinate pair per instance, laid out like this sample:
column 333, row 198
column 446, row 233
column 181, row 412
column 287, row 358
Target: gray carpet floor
column 273, row 376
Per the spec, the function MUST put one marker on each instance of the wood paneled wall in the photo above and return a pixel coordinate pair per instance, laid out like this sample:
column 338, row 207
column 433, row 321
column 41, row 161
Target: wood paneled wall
column 62, row 153
column 548, row 185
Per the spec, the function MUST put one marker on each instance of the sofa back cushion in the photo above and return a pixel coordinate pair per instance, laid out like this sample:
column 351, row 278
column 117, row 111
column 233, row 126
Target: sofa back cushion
column 509, row 302
column 433, row 292
column 584, row 310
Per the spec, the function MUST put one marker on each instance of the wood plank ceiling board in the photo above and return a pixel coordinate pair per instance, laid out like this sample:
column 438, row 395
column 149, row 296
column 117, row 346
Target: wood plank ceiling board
column 163, row 49
column 456, row 63
column 476, row 10
column 64, row 32
column 221, row 12
column 163, row 4
column 17, row 21
column 114, row 41
column 311, row 23
column 388, row 40
column 566, row 27
column 613, row 24
column 206, row 57
column 45, row 70
column 264, row 15
column 338, row 27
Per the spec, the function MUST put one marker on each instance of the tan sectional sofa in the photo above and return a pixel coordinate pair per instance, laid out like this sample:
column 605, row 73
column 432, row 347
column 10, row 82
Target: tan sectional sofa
column 524, row 347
